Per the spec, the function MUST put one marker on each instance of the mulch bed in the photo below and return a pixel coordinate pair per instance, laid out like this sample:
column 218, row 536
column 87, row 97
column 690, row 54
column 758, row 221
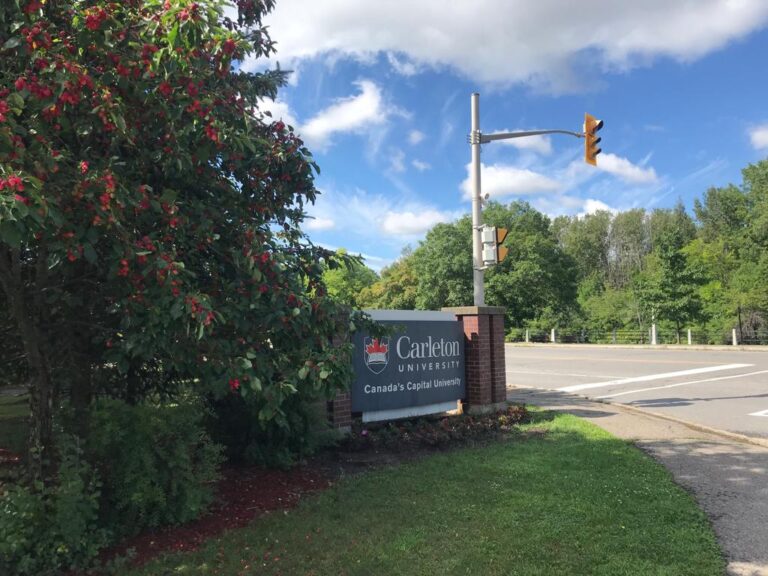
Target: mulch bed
column 243, row 493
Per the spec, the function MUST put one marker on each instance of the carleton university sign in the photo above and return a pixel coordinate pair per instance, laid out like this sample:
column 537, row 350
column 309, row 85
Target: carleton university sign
column 420, row 364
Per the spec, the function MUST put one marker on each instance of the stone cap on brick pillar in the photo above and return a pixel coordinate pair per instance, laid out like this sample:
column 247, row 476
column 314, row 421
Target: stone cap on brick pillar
column 475, row 310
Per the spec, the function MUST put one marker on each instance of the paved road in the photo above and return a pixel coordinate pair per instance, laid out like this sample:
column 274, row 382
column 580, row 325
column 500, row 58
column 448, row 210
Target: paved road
column 729, row 479
column 722, row 389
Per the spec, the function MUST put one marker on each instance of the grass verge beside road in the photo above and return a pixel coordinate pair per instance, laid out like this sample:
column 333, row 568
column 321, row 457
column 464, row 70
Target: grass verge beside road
column 564, row 498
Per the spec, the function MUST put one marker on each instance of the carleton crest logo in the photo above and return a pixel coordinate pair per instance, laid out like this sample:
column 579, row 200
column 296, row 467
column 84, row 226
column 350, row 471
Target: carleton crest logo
column 376, row 354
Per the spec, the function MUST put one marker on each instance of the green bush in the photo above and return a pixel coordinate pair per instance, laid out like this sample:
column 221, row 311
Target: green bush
column 47, row 529
column 275, row 443
column 157, row 463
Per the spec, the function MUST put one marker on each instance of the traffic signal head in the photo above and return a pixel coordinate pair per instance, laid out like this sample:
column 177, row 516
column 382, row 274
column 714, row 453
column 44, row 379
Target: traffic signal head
column 591, row 140
column 493, row 251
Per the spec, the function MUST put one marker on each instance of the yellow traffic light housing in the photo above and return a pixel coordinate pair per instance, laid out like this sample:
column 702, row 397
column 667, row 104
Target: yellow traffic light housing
column 591, row 140
column 501, row 251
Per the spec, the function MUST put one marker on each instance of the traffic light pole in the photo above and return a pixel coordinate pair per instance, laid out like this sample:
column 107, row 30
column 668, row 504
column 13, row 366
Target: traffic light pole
column 478, row 286
column 476, row 138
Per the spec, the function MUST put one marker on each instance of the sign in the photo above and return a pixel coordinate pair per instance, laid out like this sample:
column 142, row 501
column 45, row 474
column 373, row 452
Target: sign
column 420, row 364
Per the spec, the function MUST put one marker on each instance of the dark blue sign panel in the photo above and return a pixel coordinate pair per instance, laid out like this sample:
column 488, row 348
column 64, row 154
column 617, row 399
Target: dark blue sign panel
column 421, row 363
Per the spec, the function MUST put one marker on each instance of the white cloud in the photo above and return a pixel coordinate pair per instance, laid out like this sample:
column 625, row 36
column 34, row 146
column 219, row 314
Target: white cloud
column 421, row 166
column 545, row 44
column 279, row 111
column 404, row 67
column 413, row 223
column 415, row 136
column 375, row 221
column 540, row 144
column 319, row 224
column 499, row 180
column 355, row 114
column 759, row 137
column 625, row 170
column 397, row 161
column 591, row 206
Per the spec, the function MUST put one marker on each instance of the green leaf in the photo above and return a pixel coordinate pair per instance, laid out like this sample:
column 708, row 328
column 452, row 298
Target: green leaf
column 256, row 384
column 324, row 374
column 10, row 234
column 90, row 253
column 15, row 101
column 246, row 363
column 172, row 34
column 303, row 371
column 12, row 43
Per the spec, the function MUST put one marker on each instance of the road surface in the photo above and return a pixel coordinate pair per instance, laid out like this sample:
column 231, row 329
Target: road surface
column 721, row 389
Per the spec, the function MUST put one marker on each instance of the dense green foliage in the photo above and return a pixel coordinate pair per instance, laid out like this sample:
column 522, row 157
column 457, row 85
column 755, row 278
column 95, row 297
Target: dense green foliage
column 150, row 215
column 50, row 529
column 607, row 276
column 570, row 499
column 157, row 464
column 345, row 282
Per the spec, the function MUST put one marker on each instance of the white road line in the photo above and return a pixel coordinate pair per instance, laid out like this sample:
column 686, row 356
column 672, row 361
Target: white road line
column 540, row 373
column 650, row 377
column 685, row 384
column 762, row 413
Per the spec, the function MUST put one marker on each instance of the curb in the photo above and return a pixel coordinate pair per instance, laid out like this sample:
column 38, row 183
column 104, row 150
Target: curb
column 761, row 442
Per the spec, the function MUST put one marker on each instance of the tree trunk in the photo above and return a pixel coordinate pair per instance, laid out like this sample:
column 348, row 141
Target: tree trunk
column 41, row 394
column 41, row 388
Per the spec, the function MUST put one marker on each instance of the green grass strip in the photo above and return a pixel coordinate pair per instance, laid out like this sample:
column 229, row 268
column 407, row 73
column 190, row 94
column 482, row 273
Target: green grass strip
column 574, row 500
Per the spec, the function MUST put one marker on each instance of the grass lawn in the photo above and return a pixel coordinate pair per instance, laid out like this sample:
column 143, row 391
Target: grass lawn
column 573, row 500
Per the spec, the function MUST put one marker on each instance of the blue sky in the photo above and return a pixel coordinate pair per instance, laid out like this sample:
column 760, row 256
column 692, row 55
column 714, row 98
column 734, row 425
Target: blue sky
column 381, row 94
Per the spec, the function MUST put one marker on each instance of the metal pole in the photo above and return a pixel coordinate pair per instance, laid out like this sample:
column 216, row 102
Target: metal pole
column 477, row 206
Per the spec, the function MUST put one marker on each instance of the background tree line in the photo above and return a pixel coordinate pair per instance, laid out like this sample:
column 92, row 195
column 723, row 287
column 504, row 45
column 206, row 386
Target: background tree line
column 599, row 273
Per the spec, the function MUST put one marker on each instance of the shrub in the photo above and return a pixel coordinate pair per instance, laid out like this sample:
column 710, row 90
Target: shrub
column 157, row 463
column 274, row 443
column 48, row 528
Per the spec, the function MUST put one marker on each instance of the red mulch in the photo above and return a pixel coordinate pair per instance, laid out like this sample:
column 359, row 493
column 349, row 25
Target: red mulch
column 243, row 493
column 8, row 458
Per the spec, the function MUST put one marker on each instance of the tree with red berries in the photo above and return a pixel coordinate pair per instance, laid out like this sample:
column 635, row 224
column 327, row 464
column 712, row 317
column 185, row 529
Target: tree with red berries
column 150, row 214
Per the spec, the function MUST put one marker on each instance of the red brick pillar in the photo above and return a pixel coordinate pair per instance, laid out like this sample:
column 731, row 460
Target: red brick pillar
column 340, row 412
column 484, row 357
column 340, row 408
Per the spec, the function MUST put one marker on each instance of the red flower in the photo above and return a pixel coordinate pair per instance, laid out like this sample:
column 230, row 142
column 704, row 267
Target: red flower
column 13, row 182
column 234, row 384
column 94, row 18
column 83, row 166
column 33, row 6
column 23, row 199
column 229, row 46
column 3, row 110
column 165, row 89
column 20, row 83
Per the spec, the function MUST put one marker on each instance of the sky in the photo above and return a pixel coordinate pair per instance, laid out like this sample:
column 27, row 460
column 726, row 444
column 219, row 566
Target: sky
column 380, row 92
